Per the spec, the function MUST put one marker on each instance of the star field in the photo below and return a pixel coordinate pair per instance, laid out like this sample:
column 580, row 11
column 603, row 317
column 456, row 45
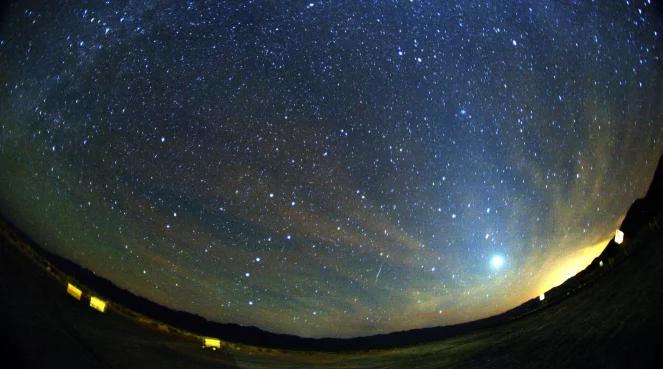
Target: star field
column 329, row 168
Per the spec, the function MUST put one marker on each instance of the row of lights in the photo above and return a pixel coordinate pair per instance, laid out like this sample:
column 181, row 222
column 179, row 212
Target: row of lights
column 95, row 302
column 100, row 305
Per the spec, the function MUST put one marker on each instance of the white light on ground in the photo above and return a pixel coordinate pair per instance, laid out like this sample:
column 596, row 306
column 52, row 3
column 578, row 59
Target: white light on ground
column 496, row 262
column 542, row 297
column 619, row 237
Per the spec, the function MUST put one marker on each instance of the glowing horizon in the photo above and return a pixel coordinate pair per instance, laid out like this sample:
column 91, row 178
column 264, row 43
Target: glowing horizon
column 569, row 265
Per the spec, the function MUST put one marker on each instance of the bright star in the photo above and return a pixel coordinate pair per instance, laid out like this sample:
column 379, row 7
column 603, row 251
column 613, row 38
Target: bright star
column 496, row 262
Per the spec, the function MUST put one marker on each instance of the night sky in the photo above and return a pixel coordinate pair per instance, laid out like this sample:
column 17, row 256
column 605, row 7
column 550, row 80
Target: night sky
column 329, row 168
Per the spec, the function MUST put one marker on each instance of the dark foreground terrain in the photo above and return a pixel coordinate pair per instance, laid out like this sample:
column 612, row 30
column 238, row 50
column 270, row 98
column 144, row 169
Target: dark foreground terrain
column 608, row 316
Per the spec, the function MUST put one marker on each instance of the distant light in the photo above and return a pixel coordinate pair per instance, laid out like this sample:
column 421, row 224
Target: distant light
column 74, row 291
column 600, row 263
column 619, row 237
column 213, row 343
column 97, row 304
column 497, row 261
column 542, row 297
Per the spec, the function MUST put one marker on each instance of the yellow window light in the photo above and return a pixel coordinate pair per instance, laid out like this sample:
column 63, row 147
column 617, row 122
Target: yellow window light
column 619, row 237
column 74, row 291
column 214, row 343
column 542, row 297
column 98, row 304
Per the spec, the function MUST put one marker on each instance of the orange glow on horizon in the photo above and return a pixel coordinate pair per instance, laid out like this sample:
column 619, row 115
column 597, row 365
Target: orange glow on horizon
column 561, row 269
